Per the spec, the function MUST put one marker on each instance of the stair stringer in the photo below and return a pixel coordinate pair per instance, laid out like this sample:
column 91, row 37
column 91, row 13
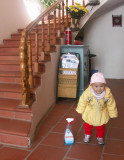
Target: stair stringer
column 45, row 93
column 92, row 10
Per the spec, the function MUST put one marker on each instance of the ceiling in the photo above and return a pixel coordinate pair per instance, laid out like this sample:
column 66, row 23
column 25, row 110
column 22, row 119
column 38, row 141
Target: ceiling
column 107, row 6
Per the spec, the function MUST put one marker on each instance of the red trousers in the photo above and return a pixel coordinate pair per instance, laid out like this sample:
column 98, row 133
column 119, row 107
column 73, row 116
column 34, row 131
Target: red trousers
column 100, row 130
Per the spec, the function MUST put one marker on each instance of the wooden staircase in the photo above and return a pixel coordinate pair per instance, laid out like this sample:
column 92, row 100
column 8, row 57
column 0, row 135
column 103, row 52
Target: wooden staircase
column 15, row 122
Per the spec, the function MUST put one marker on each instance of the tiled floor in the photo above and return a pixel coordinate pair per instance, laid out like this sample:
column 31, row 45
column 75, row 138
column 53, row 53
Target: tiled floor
column 49, row 143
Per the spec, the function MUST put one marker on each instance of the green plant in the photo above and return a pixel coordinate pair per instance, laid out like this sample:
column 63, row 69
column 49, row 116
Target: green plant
column 47, row 3
column 76, row 11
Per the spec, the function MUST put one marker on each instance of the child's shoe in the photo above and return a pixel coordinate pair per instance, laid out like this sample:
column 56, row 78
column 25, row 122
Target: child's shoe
column 100, row 141
column 87, row 138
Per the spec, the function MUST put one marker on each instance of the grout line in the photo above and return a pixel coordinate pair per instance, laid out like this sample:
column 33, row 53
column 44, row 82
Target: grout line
column 54, row 146
column 91, row 144
column 15, row 147
column 79, row 129
column 114, row 154
column 66, row 152
column 105, row 141
column 114, row 139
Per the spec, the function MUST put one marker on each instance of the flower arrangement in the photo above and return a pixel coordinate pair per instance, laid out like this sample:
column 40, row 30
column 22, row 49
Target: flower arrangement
column 76, row 11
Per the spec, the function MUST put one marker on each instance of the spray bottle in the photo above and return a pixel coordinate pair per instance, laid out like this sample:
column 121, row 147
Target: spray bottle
column 68, row 137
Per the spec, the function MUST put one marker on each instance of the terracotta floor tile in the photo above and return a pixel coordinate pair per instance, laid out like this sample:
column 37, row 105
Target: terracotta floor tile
column 54, row 139
column 47, row 153
column 7, row 153
column 57, row 114
column 65, row 103
column 59, row 111
column 60, row 128
column 116, row 133
column 73, row 112
column 121, row 113
column 43, row 130
column 80, row 135
column 50, row 121
column 117, row 122
column 114, row 147
column 75, row 105
column 112, row 157
column 85, row 152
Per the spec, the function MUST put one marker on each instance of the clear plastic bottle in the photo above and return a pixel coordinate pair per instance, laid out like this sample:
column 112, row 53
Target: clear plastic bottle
column 68, row 136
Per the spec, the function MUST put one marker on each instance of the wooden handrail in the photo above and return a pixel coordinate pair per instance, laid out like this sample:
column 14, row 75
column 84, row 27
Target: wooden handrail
column 42, row 15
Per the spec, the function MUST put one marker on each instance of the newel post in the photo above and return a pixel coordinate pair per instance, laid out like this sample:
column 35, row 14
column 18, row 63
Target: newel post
column 24, row 72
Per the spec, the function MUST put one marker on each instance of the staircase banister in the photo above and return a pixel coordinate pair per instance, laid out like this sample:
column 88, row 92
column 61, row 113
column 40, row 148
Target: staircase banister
column 42, row 15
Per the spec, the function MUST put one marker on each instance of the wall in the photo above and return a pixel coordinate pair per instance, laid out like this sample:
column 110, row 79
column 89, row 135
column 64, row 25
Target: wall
column 15, row 15
column 46, row 93
column 107, row 42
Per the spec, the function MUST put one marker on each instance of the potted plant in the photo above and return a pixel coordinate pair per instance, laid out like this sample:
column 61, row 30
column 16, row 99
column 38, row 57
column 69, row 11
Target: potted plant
column 76, row 11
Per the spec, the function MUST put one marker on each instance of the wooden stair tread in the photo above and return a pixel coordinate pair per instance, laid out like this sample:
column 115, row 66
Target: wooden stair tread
column 10, row 87
column 9, row 53
column 10, row 74
column 11, row 45
column 16, row 74
column 12, row 105
column 14, row 127
column 13, row 62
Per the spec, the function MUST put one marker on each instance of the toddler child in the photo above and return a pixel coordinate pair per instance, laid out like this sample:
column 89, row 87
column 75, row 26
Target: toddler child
column 97, row 105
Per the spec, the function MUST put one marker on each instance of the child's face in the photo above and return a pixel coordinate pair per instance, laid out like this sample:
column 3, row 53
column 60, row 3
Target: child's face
column 98, row 87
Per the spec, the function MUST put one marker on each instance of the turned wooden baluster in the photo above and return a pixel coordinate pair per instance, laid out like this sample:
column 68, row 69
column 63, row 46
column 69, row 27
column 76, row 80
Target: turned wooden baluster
column 42, row 41
column 54, row 39
column 48, row 34
column 36, row 66
column 66, row 23
column 59, row 26
column 24, row 72
column 30, row 63
column 63, row 23
column 83, row 3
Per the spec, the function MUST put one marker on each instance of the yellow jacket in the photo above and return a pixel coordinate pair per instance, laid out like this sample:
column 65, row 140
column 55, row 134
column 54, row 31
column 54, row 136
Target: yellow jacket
column 95, row 112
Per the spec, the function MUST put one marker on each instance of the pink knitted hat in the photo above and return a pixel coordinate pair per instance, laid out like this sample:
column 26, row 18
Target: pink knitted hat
column 97, row 77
